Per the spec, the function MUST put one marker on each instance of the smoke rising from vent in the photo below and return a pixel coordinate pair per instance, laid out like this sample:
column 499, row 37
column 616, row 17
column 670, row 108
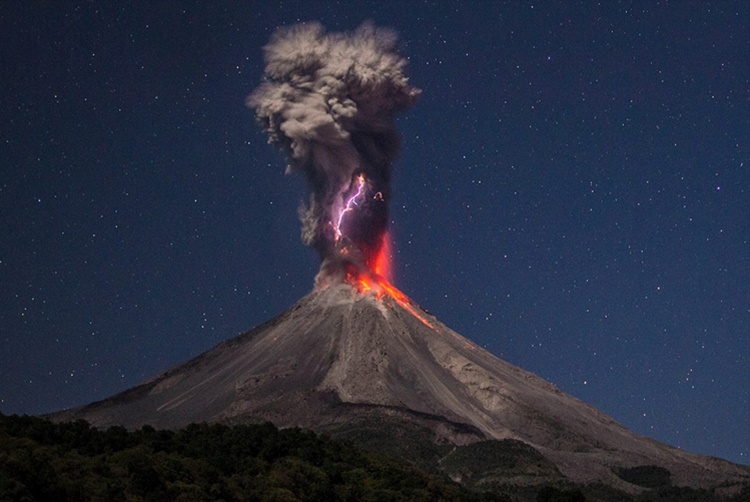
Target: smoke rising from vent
column 328, row 101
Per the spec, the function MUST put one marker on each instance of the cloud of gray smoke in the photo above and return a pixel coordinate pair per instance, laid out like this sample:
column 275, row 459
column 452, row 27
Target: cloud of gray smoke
column 329, row 100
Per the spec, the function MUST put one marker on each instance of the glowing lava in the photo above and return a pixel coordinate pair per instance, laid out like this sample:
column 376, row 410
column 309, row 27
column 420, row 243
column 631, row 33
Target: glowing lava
column 383, row 260
column 376, row 283
column 370, row 275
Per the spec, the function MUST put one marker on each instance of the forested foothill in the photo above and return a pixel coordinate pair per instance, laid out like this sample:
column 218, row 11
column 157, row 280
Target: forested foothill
column 45, row 461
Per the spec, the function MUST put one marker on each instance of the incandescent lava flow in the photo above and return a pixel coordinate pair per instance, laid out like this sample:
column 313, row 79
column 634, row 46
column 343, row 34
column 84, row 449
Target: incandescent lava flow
column 360, row 262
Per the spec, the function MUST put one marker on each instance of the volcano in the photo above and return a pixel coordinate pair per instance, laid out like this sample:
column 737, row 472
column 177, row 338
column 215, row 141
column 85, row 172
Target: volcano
column 356, row 358
column 349, row 355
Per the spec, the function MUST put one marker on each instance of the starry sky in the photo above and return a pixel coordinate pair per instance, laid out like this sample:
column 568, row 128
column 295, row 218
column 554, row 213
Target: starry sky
column 573, row 194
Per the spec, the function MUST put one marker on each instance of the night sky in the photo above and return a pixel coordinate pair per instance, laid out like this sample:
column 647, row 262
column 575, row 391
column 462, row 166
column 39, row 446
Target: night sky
column 573, row 194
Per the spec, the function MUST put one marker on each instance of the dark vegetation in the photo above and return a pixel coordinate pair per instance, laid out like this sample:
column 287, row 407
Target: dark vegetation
column 394, row 438
column 648, row 476
column 551, row 494
column 488, row 464
column 45, row 461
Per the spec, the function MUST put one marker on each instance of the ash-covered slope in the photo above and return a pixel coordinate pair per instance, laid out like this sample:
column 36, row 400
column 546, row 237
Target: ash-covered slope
column 340, row 355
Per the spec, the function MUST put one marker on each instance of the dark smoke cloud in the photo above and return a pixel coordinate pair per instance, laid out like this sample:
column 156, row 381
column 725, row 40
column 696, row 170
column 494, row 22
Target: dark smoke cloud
column 328, row 100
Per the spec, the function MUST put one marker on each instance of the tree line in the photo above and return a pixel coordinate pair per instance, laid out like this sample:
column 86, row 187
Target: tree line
column 45, row 461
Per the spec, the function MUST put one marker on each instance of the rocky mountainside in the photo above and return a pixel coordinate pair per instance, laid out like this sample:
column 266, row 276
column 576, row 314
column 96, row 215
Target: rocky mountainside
column 344, row 361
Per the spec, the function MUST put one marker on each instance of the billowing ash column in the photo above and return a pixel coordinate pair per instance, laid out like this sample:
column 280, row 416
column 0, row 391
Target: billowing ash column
column 328, row 100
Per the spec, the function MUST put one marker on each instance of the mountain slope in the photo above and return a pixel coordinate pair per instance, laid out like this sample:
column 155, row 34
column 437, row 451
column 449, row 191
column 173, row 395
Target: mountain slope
column 340, row 355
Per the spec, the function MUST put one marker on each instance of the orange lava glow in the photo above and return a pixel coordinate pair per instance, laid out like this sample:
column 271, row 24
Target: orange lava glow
column 379, row 284
column 383, row 261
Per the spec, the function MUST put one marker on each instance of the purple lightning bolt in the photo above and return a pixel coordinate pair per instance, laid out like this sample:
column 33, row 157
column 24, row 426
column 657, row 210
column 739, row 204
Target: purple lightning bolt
column 350, row 204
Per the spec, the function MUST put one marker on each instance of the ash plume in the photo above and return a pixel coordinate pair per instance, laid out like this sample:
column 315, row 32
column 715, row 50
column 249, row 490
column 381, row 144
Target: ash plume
column 328, row 101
